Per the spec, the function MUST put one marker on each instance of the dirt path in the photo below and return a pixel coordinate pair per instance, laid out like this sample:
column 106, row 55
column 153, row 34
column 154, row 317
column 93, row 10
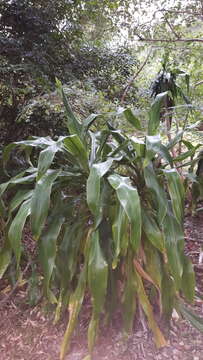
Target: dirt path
column 29, row 334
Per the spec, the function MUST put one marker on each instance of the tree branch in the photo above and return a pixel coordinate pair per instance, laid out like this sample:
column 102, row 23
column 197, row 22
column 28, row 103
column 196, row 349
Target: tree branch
column 170, row 40
column 180, row 12
column 178, row 36
column 134, row 77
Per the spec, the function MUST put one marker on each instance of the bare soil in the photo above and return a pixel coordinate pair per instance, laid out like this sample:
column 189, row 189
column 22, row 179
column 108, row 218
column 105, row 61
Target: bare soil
column 29, row 334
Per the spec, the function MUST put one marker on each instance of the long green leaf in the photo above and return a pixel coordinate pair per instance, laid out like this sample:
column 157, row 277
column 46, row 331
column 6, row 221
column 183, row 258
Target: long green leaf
column 119, row 231
column 5, row 258
column 188, row 280
column 47, row 247
column 177, row 193
column 19, row 179
column 97, row 171
column 154, row 146
column 16, row 228
column 174, row 241
column 89, row 121
column 97, row 273
column 153, row 263
column 168, row 291
column 130, row 201
column 158, row 193
column 144, row 301
column 41, row 200
column 189, row 315
column 97, row 280
column 41, row 142
column 20, row 196
column 73, row 124
column 75, row 304
column 132, row 119
column 76, row 148
column 129, row 295
column 139, row 146
column 152, row 230
column 76, row 299
column 67, row 255
column 46, row 157
column 154, row 114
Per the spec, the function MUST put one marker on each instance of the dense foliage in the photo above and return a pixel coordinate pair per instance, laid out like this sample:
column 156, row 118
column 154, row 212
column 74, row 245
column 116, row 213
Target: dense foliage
column 102, row 207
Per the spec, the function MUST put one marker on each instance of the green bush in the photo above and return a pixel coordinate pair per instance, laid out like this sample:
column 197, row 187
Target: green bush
column 106, row 211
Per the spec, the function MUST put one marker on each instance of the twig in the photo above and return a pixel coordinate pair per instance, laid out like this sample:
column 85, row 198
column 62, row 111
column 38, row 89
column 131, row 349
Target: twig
column 198, row 83
column 172, row 28
column 180, row 12
column 169, row 40
column 134, row 77
column 4, row 301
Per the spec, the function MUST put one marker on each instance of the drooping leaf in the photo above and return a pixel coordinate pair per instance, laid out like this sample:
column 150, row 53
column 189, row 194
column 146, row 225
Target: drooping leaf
column 189, row 315
column 41, row 200
column 119, row 231
column 48, row 246
column 67, row 255
column 129, row 295
column 97, row 280
column 97, row 171
column 174, row 241
column 175, row 140
column 132, row 119
column 75, row 304
column 20, row 196
column 89, row 121
column 97, row 273
column 130, row 201
column 139, row 146
column 177, row 193
column 188, row 280
column 46, row 157
column 158, row 192
column 153, row 264
column 144, row 301
column 168, row 291
column 154, row 146
column 16, row 228
column 19, row 179
column 152, row 230
column 5, row 258
column 187, row 154
column 154, row 114
column 34, row 142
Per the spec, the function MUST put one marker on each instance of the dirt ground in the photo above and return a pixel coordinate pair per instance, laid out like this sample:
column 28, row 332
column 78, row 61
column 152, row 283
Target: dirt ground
column 29, row 334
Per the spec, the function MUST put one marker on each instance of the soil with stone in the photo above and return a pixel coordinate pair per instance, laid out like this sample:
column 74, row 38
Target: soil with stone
column 29, row 334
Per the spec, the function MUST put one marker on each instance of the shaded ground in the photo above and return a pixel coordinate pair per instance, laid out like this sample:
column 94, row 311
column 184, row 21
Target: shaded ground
column 29, row 334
